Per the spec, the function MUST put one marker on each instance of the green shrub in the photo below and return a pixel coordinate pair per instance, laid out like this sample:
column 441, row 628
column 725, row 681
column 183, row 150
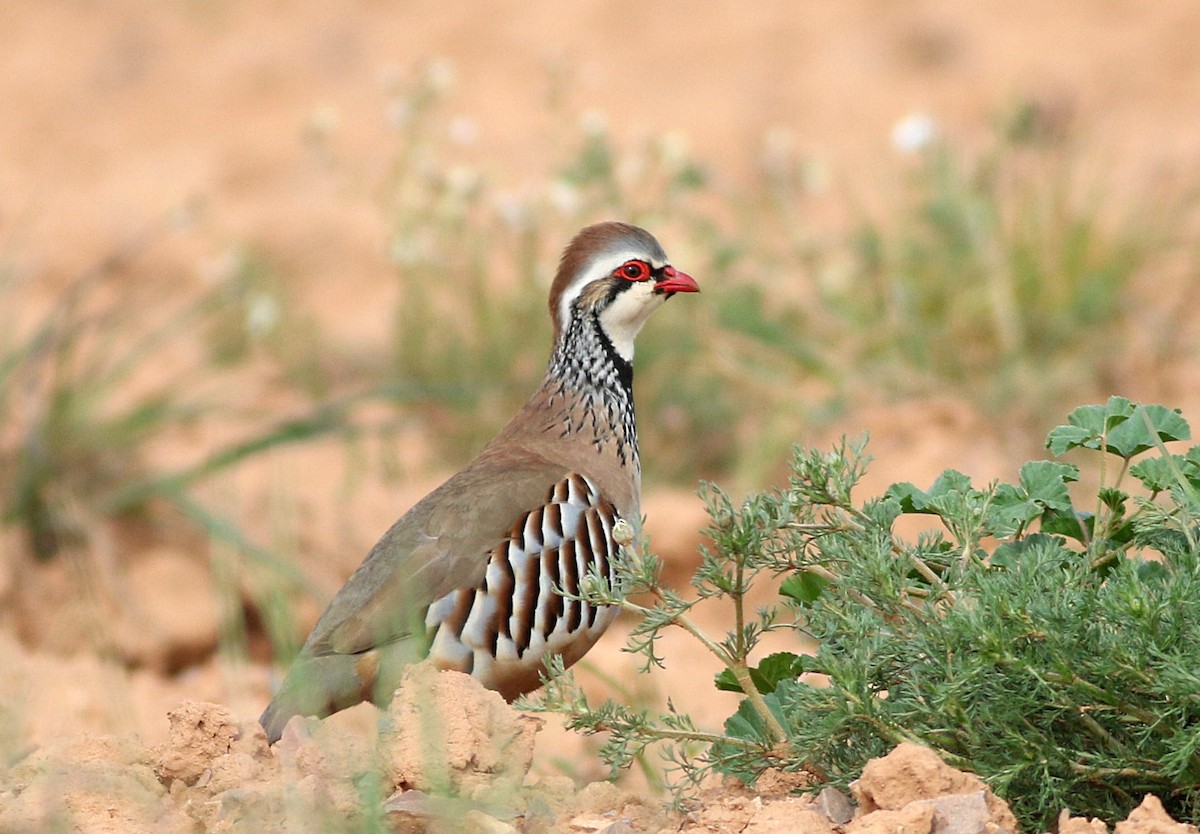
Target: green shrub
column 1051, row 650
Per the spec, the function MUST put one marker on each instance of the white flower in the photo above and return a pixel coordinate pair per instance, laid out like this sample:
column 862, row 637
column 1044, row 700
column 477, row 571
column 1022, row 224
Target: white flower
column 564, row 197
column 262, row 314
column 462, row 181
column 593, row 123
column 513, row 212
column 673, row 149
column 440, row 74
column 324, row 120
column 914, row 133
column 463, row 130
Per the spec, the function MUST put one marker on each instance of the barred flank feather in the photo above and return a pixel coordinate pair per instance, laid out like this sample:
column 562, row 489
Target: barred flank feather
column 516, row 618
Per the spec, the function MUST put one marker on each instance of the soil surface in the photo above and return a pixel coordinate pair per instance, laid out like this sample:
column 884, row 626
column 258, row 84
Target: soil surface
column 117, row 713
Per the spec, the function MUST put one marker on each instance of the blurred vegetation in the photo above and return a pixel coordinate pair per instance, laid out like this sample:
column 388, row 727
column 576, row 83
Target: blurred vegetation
column 1003, row 276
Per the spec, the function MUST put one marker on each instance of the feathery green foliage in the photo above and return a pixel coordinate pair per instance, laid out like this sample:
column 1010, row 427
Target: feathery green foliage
column 1048, row 648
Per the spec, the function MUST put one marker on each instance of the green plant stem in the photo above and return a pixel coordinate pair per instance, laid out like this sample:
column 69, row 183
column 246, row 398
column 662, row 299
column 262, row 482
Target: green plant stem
column 1118, row 772
column 1184, row 483
column 737, row 666
column 689, row 735
column 1099, row 732
column 917, row 562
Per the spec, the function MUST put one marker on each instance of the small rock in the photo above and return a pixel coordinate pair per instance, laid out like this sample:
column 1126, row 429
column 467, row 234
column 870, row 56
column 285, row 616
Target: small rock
column 414, row 803
column 914, row 818
column 618, row 827
column 912, row 772
column 835, row 805
column 199, row 733
column 1151, row 818
column 477, row 822
column 795, row 815
column 409, row 812
column 963, row 813
column 1068, row 824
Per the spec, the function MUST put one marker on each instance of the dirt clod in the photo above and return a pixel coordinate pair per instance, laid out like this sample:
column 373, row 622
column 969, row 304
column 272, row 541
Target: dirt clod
column 101, row 784
column 789, row 814
column 911, row 773
column 445, row 733
column 1068, row 824
column 200, row 735
column 1151, row 818
column 914, row 818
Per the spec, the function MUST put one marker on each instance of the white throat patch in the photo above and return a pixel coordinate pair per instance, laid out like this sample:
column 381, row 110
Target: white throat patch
column 623, row 318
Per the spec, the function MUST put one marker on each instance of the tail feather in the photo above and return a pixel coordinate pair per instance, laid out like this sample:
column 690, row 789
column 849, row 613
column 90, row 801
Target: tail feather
column 322, row 685
column 316, row 686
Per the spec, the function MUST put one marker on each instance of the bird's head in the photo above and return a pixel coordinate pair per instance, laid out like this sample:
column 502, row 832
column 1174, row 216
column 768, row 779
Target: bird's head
column 619, row 274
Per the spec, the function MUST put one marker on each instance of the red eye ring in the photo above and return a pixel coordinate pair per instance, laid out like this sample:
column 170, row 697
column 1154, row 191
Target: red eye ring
column 634, row 271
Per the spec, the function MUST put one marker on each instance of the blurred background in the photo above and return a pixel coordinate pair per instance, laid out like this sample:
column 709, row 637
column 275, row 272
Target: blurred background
column 269, row 271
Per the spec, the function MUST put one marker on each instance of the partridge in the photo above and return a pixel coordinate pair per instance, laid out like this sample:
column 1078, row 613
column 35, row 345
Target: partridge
column 468, row 575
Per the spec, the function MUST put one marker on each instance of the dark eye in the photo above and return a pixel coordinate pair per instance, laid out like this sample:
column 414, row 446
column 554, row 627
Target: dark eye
column 634, row 270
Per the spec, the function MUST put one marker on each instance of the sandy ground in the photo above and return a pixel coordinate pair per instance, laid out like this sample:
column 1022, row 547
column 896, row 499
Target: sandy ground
column 274, row 117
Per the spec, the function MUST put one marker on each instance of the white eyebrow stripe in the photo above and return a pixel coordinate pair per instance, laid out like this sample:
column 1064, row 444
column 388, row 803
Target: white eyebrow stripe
column 601, row 264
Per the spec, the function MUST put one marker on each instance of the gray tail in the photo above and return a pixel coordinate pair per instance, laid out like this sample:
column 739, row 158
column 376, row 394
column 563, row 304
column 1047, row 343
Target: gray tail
column 316, row 686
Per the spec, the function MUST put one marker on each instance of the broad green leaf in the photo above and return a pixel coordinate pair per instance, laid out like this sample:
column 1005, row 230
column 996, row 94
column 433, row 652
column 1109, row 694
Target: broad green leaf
column 803, row 586
column 1045, row 481
column 1114, row 499
column 774, row 668
column 1161, row 474
column 1087, row 424
column 951, row 504
column 1010, row 554
column 782, row 666
column 1157, row 474
column 1064, row 438
column 907, row 496
column 1116, row 411
column 1133, row 436
column 1075, row 525
column 748, row 725
column 951, row 480
column 944, row 497
column 1120, row 426
column 1010, row 510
